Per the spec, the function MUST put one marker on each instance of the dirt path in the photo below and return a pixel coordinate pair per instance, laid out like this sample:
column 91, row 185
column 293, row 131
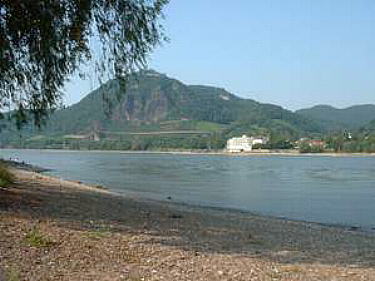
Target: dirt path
column 57, row 230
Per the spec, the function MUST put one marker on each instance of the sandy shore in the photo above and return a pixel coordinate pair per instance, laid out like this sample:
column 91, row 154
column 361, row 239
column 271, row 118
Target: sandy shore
column 51, row 229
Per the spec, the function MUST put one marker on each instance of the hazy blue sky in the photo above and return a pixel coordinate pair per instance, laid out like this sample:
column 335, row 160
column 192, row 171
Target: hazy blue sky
column 295, row 53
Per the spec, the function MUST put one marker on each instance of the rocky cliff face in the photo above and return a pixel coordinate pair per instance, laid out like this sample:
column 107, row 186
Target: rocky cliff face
column 151, row 99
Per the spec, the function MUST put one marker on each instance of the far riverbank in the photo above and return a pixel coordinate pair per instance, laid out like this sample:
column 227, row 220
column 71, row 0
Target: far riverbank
column 206, row 152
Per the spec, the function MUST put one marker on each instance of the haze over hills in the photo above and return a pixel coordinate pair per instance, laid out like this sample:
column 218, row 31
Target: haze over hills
column 331, row 118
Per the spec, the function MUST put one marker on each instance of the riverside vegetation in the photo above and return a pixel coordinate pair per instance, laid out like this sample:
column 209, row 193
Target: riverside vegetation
column 6, row 177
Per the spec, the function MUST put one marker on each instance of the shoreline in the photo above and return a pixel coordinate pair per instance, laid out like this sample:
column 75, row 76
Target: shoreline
column 234, row 211
column 39, row 172
column 218, row 153
column 53, row 229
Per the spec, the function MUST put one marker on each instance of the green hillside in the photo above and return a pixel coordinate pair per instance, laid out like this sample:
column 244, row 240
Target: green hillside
column 163, row 111
column 369, row 127
column 331, row 118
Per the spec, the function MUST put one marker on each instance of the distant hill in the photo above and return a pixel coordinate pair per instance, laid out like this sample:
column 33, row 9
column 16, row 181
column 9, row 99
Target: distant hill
column 154, row 98
column 154, row 102
column 331, row 118
column 369, row 126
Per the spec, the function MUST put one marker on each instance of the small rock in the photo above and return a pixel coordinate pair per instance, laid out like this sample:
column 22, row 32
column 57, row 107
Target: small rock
column 353, row 228
column 174, row 216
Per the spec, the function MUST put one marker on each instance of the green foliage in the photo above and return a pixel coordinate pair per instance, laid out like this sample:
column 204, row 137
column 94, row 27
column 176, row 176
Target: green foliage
column 35, row 238
column 6, row 177
column 362, row 142
column 371, row 126
column 98, row 234
column 43, row 42
column 333, row 119
column 208, row 126
column 279, row 143
column 336, row 143
column 306, row 148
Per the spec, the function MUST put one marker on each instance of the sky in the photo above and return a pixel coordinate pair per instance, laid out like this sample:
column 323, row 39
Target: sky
column 294, row 53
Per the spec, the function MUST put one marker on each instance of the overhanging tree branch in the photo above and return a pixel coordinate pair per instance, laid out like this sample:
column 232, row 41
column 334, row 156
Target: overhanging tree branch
column 43, row 42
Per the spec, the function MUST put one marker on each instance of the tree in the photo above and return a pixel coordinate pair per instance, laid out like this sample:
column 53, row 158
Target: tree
column 43, row 42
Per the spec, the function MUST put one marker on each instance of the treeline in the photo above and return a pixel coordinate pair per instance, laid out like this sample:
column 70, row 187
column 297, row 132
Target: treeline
column 341, row 143
column 214, row 141
column 357, row 144
column 209, row 142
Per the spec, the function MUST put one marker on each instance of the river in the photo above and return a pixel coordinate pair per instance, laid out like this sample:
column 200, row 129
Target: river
column 324, row 189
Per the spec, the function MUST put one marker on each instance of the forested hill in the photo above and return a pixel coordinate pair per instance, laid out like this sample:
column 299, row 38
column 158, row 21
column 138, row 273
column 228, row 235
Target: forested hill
column 332, row 118
column 155, row 102
column 370, row 126
column 153, row 98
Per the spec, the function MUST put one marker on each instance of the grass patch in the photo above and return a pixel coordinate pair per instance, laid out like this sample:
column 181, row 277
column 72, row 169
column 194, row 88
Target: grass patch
column 12, row 274
column 6, row 177
column 35, row 238
column 208, row 126
column 98, row 233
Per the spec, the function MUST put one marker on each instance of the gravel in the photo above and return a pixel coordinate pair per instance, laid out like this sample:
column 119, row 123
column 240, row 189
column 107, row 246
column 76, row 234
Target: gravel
column 52, row 229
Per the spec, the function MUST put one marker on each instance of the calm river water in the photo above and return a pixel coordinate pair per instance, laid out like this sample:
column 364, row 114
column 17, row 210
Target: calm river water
column 334, row 190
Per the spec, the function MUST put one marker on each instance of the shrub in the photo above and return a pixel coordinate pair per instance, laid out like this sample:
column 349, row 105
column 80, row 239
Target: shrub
column 306, row 148
column 6, row 177
column 34, row 238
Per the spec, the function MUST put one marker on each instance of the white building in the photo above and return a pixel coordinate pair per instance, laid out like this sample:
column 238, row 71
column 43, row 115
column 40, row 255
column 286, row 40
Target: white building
column 242, row 144
column 260, row 140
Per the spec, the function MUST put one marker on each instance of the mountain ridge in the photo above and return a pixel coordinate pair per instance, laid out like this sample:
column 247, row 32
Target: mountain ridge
column 192, row 115
column 332, row 118
column 155, row 102
column 160, row 98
